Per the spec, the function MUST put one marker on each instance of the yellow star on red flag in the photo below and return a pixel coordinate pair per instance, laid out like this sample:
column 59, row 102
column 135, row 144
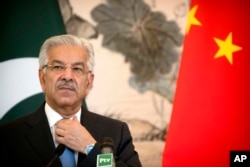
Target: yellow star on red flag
column 192, row 20
column 226, row 48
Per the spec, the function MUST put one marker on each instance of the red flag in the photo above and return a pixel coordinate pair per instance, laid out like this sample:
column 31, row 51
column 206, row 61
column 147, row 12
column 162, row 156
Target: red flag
column 211, row 109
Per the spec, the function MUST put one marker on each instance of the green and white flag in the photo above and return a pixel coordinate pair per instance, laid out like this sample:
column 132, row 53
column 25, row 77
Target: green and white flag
column 25, row 25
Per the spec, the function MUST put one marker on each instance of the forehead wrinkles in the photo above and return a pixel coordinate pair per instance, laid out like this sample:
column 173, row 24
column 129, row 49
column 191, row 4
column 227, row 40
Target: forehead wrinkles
column 72, row 53
column 78, row 63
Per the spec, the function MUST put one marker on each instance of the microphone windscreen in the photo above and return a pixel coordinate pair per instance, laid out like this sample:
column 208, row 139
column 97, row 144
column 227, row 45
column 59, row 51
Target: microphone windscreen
column 107, row 143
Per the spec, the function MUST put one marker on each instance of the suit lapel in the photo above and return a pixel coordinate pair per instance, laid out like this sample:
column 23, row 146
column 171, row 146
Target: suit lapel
column 39, row 135
column 91, row 123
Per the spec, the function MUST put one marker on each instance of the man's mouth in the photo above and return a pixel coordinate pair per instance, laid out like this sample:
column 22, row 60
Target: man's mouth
column 67, row 87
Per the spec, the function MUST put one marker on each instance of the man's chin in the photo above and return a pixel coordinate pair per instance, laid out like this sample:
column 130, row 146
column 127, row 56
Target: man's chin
column 66, row 101
column 66, row 98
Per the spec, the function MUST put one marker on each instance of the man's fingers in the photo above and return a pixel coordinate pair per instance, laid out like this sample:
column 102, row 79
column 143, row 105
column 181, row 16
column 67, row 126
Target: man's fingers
column 59, row 132
column 62, row 124
column 75, row 118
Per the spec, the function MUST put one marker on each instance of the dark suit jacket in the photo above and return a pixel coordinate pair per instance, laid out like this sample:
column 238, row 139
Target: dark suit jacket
column 28, row 141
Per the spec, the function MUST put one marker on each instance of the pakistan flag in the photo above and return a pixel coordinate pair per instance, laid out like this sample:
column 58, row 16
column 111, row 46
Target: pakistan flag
column 25, row 25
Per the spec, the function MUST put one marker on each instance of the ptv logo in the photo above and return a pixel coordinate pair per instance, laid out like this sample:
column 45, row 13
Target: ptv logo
column 105, row 160
column 239, row 158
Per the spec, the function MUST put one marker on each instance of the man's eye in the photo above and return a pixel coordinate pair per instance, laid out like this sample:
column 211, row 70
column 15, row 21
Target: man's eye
column 58, row 67
column 77, row 69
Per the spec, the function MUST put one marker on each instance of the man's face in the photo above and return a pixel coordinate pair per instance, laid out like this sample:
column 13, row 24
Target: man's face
column 66, row 87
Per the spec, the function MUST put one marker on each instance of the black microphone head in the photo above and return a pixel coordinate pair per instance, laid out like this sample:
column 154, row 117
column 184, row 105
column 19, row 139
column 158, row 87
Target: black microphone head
column 107, row 145
column 59, row 149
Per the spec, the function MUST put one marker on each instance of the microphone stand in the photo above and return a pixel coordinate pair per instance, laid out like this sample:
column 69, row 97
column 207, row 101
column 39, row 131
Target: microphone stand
column 59, row 150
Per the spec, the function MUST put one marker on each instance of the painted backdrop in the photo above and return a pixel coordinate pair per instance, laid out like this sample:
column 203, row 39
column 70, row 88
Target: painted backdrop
column 137, row 47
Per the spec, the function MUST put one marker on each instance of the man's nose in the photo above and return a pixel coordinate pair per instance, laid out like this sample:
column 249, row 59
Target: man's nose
column 68, row 73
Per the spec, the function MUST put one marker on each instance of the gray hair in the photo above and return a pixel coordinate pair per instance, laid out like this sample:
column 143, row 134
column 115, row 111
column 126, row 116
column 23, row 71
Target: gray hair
column 69, row 40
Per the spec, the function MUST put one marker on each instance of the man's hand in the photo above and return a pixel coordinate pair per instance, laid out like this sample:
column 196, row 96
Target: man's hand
column 72, row 134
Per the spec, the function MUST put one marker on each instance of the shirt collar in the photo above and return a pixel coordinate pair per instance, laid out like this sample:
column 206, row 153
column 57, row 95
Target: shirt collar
column 54, row 116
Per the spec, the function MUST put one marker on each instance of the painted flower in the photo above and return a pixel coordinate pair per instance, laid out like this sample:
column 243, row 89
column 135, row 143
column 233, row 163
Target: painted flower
column 146, row 39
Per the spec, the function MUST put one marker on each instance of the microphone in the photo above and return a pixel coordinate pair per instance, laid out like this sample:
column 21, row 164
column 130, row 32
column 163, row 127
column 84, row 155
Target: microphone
column 59, row 150
column 107, row 145
column 106, row 158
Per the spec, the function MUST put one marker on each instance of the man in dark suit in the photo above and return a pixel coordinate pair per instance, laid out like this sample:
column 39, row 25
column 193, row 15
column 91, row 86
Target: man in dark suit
column 66, row 76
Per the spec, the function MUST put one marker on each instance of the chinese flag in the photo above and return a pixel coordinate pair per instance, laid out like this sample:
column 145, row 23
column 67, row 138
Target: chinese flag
column 211, row 109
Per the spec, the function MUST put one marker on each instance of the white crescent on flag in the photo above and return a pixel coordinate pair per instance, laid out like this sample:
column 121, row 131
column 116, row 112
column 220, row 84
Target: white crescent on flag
column 19, row 81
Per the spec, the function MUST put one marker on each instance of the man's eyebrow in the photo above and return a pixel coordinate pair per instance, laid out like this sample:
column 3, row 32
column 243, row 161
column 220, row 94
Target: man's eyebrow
column 57, row 61
column 78, row 64
column 61, row 62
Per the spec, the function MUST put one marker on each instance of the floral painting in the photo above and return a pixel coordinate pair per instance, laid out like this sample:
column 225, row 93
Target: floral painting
column 138, row 49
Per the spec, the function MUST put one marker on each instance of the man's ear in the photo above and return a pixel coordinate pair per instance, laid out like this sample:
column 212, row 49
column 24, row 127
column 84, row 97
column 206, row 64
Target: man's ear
column 89, row 82
column 41, row 79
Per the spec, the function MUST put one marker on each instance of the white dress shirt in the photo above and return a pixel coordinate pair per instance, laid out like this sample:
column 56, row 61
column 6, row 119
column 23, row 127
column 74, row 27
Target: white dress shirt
column 53, row 117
